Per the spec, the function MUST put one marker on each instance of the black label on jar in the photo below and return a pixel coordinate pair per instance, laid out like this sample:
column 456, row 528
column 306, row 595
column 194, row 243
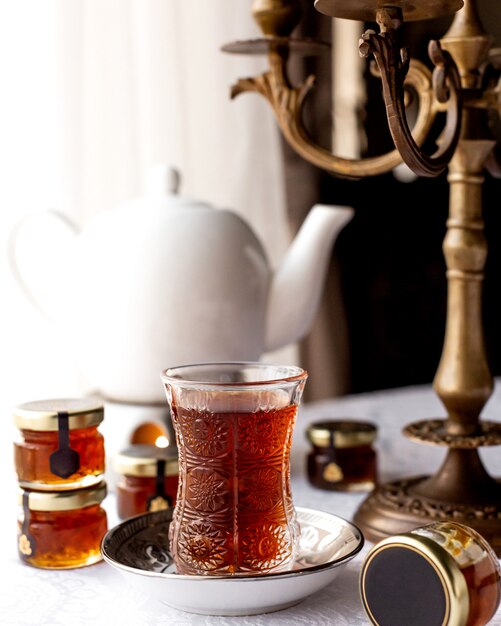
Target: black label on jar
column 64, row 461
column 26, row 543
column 159, row 501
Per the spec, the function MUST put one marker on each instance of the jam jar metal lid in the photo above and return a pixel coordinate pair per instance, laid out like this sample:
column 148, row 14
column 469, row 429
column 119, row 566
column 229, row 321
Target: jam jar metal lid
column 341, row 433
column 42, row 415
column 62, row 500
column 410, row 579
column 142, row 460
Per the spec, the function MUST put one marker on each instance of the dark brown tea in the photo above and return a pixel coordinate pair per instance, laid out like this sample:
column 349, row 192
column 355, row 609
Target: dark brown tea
column 236, row 514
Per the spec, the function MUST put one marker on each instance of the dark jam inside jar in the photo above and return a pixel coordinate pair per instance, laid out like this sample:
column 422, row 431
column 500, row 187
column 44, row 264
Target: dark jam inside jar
column 62, row 539
column 345, row 469
column 477, row 563
column 483, row 589
column 342, row 456
column 32, row 452
column 140, row 494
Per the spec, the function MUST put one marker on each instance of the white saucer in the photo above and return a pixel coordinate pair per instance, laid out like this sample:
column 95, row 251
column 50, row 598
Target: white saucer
column 138, row 548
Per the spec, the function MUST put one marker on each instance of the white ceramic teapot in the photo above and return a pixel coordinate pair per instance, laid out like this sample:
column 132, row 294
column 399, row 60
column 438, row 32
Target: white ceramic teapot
column 162, row 280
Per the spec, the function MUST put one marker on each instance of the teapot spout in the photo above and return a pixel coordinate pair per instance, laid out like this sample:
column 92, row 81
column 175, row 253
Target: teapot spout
column 298, row 283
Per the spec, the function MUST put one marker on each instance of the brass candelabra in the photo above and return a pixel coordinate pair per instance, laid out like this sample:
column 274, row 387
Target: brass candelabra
column 465, row 85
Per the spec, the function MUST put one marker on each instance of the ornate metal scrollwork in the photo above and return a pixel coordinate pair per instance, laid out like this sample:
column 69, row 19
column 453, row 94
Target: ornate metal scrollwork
column 393, row 64
column 287, row 102
column 397, row 73
column 398, row 496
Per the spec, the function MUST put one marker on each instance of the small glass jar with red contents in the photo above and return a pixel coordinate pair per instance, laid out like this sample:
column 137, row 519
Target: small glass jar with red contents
column 148, row 479
column 342, row 457
column 63, row 529
column 444, row 573
column 59, row 446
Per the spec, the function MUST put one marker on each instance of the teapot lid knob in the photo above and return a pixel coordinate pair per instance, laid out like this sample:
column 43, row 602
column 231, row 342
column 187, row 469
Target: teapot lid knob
column 163, row 180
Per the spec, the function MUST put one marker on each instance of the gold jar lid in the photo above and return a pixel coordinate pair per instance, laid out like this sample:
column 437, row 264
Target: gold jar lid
column 412, row 575
column 63, row 500
column 342, row 433
column 142, row 460
column 42, row 415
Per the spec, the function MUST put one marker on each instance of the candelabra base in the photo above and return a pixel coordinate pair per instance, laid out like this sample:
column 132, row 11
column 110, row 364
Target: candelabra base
column 402, row 505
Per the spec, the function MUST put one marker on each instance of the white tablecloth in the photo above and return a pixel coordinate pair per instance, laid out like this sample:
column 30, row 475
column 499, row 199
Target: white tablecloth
column 99, row 595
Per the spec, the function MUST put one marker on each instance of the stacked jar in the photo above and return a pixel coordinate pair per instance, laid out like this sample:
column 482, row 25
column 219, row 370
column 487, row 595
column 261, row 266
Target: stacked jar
column 59, row 459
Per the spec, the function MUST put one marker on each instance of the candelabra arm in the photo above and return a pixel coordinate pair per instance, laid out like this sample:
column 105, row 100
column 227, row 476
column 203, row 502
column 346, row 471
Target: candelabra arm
column 287, row 102
column 393, row 64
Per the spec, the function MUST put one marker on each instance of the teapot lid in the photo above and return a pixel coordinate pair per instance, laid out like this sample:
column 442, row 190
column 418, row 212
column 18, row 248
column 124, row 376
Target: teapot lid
column 162, row 186
column 162, row 179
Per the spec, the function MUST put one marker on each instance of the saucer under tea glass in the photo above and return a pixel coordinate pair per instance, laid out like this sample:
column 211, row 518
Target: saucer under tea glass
column 234, row 422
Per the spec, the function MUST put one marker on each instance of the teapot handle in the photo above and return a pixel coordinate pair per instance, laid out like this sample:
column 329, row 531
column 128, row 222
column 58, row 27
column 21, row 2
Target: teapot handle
column 13, row 253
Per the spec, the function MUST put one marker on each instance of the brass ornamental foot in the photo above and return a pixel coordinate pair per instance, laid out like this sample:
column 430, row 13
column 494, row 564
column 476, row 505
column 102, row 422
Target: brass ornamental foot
column 461, row 490
column 399, row 506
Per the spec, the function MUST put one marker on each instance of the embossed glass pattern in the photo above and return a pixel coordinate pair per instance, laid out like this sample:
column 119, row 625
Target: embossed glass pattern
column 234, row 422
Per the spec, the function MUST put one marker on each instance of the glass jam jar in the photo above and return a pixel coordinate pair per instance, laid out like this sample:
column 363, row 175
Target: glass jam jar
column 443, row 574
column 59, row 446
column 61, row 530
column 148, row 479
column 342, row 458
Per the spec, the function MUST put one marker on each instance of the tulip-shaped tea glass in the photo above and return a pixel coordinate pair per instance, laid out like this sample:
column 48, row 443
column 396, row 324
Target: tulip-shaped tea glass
column 234, row 513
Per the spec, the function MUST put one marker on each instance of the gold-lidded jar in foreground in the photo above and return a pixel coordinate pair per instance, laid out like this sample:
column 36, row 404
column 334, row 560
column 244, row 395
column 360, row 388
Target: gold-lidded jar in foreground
column 61, row 530
column 442, row 574
column 342, row 457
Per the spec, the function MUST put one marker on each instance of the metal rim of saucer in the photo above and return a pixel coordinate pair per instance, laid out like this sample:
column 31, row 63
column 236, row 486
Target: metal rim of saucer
column 118, row 535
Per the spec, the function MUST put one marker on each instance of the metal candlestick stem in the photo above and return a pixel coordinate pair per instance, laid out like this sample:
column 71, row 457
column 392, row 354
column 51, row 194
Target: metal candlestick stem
column 465, row 85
